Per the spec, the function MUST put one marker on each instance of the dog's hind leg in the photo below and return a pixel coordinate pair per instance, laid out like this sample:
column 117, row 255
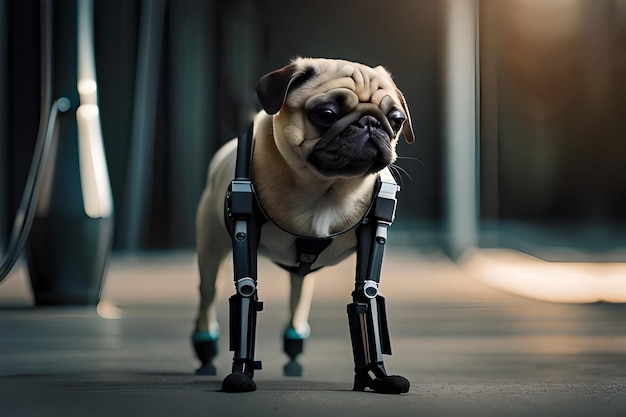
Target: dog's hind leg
column 206, row 332
column 213, row 244
column 298, row 328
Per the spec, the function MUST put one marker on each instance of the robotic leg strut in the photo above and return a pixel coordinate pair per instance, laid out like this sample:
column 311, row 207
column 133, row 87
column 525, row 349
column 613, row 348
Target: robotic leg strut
column 367, row 316
column 244, row 304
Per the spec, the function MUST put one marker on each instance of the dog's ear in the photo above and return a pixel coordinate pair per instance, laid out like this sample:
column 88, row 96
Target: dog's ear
column 407, row 129
column 272, row 88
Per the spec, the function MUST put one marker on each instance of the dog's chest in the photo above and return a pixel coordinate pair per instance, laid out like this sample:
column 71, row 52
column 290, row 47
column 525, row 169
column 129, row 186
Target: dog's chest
column 280, row 247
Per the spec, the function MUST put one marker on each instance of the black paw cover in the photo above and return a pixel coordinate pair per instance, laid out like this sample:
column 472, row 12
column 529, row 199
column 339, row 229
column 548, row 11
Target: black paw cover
column 392, row 384
column 238, row 382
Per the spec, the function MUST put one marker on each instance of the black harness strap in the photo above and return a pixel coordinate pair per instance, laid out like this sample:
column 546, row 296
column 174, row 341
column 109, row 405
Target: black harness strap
column 307, row 251
column 244, row 154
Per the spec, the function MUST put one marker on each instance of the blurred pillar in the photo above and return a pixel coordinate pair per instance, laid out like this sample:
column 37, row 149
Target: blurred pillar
column 193, row 127
column 460, row 88
column 138, row 195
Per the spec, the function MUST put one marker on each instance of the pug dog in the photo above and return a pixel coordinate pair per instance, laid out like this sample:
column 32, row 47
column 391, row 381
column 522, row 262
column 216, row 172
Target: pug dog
column 326, row 130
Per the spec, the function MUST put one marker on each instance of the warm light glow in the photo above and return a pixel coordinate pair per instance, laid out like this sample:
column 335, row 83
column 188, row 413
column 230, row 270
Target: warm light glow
column 541, row 20
column 565, row 282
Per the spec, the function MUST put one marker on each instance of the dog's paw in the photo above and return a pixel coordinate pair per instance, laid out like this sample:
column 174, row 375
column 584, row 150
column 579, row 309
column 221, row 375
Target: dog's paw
column 237, row 382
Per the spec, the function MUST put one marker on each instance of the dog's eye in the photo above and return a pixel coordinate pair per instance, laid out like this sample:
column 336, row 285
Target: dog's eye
column 396, row 119
column 325, row 114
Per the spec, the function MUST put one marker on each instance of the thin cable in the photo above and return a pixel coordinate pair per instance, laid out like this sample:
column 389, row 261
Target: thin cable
column 26, row 211
column 28, row 206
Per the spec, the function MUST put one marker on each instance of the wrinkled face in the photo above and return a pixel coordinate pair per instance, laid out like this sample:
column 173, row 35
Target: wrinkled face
column 340, row 119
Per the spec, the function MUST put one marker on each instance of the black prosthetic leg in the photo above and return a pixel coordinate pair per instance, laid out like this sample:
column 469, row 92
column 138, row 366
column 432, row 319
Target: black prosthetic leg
column 367, row 314
column 244, row 305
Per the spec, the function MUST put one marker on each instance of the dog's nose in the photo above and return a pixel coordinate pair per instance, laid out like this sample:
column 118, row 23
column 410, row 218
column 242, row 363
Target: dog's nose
column 369, row 122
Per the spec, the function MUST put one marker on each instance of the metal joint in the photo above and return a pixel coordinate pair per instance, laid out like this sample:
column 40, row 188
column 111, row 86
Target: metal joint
column 370, row 288
column 381, row 233
column 241, row 198
column 386, row 202
column 246, row 287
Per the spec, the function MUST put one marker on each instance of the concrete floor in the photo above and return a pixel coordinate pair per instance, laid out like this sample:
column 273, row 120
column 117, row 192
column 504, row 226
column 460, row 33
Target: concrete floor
column 466, row 348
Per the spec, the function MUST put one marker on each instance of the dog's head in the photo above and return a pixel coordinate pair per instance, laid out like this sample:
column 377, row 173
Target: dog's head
column 338, row 118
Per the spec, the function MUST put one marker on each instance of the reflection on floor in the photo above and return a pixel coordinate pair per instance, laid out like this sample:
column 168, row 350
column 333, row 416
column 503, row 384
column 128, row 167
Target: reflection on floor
column 564, row 282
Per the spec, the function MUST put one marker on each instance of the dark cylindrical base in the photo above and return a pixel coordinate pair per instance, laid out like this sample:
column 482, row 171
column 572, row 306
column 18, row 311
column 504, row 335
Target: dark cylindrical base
column 67, row 259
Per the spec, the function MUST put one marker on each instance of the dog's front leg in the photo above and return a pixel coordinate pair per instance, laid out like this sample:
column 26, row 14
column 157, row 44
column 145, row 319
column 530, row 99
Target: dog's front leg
column 298, row 328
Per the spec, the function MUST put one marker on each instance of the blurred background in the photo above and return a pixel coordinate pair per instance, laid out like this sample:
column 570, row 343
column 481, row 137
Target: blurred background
column 518, row 108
